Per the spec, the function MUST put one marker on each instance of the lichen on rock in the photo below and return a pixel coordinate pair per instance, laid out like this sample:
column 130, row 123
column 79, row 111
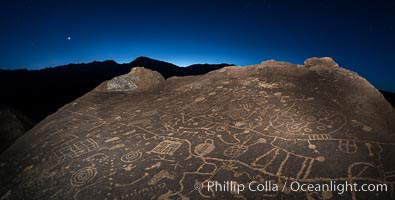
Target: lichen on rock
column 138, row 78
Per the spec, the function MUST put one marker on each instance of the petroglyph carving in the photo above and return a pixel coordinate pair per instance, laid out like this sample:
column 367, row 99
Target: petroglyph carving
column 166, row 147
column 205, row 148
column 141, row 193
column 100, row 157
column 159, row 176
column 131, row 156
column 348, row 146
column 237, row 114
column 308, row 118
column 235, row 150
column 76, row 149
column 83, row 176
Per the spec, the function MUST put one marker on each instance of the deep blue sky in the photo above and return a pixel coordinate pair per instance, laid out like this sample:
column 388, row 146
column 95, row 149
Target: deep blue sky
column 359, row 35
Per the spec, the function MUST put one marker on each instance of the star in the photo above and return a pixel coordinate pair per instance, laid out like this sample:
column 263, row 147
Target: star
column 69, row 38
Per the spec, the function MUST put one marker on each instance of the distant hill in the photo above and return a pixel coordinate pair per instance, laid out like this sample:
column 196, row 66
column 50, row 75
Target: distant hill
column 38, row 93
column 390, row 96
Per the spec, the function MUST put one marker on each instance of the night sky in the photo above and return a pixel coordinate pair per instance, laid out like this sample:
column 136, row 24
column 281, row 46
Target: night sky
column 359, row 35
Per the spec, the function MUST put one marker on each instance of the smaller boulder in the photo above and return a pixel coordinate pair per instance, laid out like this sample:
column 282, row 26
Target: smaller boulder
column 324, row 62
column 139, row 78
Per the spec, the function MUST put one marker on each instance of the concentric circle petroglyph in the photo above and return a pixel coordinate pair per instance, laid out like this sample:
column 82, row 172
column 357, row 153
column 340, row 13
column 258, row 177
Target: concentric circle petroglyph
column 131, row 156
column 83, row 176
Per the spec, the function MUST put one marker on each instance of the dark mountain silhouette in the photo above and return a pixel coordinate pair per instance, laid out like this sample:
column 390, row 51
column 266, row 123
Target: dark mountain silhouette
column 166, row 69
column 38, row 93
column 389, row 96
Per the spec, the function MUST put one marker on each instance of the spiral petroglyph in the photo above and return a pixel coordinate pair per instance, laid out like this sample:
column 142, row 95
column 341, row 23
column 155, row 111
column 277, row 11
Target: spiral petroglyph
column 131, row 156
column 83, row 176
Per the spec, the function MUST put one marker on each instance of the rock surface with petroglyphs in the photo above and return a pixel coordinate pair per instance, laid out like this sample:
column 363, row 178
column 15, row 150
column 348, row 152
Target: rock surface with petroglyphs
column 273, row 121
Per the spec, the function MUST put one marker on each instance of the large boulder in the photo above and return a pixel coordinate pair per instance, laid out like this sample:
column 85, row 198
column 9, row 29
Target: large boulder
column 272, row 126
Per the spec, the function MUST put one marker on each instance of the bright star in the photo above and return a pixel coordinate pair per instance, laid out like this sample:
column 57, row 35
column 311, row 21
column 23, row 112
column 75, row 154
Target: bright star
column 69, row 38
